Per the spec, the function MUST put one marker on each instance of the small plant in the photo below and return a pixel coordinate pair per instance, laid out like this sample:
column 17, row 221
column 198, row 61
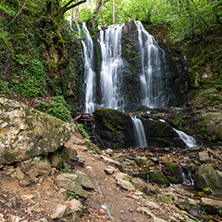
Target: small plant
column 65, row 170
column 58, row 108
column 42, row 106
column 75, row 195
column 82, row 131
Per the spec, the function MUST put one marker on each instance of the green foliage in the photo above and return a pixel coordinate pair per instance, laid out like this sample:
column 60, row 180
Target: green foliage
column 4, row 90
column 58, row 108
column 76, row 196
column 42, row 106
column 82, row 131
column 31, row 82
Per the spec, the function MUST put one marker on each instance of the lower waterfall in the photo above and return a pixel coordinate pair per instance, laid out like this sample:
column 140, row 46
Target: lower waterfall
column 140, row 136
column 188, row 140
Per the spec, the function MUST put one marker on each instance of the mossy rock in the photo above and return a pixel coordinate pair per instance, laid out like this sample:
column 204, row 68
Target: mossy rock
column 172, row 172
column 207, row 176
column 114, row 128
column 159, row 178
column 27, row 133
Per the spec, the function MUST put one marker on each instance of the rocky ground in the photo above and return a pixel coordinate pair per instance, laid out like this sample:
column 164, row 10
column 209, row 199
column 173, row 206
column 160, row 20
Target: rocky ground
column 113, row 190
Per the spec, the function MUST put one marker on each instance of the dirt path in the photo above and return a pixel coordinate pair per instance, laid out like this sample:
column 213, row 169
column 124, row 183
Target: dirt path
column 122, row 204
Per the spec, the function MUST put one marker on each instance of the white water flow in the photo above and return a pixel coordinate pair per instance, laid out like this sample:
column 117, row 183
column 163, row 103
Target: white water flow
column 140, row 136
column 111, row 67
column 152, row 76
column 188, row 140
column 90, row 75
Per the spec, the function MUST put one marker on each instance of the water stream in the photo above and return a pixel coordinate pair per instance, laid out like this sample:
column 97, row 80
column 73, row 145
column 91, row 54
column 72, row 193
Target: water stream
column 111, row 67
column 140, row 136
column 188, row 140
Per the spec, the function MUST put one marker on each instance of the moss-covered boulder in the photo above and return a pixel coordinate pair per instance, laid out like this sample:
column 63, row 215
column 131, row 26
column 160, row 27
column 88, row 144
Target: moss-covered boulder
column 172, row 172
column 211, row 126
column 160, row 133
column 159, row 178
column 206, row 176
column 26, row 132
column 114, row 128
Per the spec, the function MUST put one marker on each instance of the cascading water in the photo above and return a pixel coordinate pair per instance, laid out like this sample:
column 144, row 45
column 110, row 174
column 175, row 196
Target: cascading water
column 90, row 75
column 140, row 136
column 153, row 74
column 188, row 140
column 111, row 67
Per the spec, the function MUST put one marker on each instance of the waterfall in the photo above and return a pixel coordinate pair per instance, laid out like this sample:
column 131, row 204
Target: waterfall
column 188, row 140
column 140, row 136
column 111, row 67
column 153, row 70
column 89, row 74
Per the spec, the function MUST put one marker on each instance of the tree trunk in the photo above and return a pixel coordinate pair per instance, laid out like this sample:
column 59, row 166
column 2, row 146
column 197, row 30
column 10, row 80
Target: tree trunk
column 114, row 12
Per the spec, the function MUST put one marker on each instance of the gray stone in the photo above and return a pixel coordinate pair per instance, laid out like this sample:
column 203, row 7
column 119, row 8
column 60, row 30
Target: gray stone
column 85, row 181
column 60, row 211
column 146, row 211
column 72, row 183
column 125, row 185
column 207, row 177
column 42, row 220
column 212, row 206
column 27, row 133
column 203, row 156
column 75, row 205
column 110, row 170
column 151, row 204
column 109, row 151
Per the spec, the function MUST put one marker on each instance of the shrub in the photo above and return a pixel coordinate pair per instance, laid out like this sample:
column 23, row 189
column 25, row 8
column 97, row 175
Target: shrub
column 58, row 108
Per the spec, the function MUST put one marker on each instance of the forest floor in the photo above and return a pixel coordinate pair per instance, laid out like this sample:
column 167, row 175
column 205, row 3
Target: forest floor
column 108, row 201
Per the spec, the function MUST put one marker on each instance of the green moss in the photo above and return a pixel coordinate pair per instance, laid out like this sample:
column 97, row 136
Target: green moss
column 172, row 179
column 159, row 178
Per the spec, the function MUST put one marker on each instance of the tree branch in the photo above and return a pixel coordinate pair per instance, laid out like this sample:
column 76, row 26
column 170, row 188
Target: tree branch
column 66, row 7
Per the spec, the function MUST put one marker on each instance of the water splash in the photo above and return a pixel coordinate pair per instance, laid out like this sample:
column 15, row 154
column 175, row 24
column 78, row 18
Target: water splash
column 111, row 67
column 188, row 140
column 153, row 76
column 139, row 132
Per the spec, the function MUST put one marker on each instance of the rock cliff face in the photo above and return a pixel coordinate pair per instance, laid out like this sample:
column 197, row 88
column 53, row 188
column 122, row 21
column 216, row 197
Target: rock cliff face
column 26, row 132
column 115, row 129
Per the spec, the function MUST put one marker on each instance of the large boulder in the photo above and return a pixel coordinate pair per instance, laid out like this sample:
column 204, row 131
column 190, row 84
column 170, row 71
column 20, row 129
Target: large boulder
column 207, row 177
column 114, row 128
column 26, row 132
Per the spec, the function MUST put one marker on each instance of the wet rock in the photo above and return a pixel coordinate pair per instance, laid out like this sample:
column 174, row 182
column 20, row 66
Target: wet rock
column 84, row 180
column 203, row 156
column 207, row 176
column 75, row 205
column 27, row 133
column 114, row 128
column 172, row 172
column 159, row 178
column 125, row 185
column 60, row 211
column 72, row 183
column 212, row 206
